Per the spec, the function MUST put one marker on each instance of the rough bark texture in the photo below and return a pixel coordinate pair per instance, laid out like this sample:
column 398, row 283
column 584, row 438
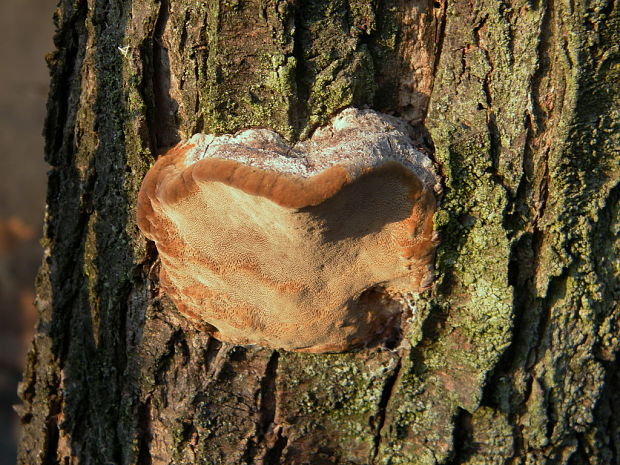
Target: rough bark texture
column 512, row 357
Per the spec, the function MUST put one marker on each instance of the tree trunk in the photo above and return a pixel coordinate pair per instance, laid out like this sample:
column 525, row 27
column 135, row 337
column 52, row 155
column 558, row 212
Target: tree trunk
column 512, row 356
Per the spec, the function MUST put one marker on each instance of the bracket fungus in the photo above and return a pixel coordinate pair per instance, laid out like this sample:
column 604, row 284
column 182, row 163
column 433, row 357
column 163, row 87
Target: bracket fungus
column 279, row 245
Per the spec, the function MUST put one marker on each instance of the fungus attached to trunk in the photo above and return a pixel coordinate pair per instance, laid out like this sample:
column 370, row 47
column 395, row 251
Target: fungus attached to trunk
column 277, row 244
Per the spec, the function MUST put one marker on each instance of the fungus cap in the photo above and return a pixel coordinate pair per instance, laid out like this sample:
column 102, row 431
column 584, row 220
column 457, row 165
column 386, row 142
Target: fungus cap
column 278, row 245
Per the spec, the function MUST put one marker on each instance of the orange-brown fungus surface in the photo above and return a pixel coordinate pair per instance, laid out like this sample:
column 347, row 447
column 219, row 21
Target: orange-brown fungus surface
column 274, row 244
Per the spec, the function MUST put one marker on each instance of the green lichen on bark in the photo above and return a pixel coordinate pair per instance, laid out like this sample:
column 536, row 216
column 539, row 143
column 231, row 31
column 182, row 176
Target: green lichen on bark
column 465, row 333
column 339, row 395
column 232, row 77
column 542, row 132
column 470, row 317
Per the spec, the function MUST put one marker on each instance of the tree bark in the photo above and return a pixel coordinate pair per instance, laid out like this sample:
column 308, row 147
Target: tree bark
column 510, row 359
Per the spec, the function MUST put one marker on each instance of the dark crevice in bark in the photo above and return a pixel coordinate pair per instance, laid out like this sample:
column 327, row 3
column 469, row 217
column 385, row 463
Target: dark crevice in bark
column 555, row 291
column 273, row 456
column 67, row 277
column 463, row 448
column 52, row 432
column 607, row 10
column 382, row 407
column 211, row 352
column 183, row 40
column 267, row 406
column 165, row 107
column 580, row 455
column 220, row 362
column 440, row 35
column 527, row 308
column 177, row 341
column 266, row 410
column 607, row 412
column 147, row 95
column 433, row 324
column 543, row 57
column 299, row 108
column 144, row 424
column 58, row 131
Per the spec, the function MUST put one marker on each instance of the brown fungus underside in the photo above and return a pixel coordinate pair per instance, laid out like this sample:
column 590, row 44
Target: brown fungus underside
column 275, row 244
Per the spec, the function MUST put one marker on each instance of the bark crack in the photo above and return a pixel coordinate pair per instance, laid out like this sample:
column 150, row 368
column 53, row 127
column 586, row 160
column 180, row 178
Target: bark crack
column 273, row 455
column 165, row 107
column 69, row 59
column 463, row 448
column 299, row 107
column 265, row 428
column 386, row 395
column 268, row 399
column 144, row 423
column 439, row 39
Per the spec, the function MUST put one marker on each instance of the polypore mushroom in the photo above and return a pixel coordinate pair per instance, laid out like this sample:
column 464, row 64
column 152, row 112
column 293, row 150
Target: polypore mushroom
column 275, row 245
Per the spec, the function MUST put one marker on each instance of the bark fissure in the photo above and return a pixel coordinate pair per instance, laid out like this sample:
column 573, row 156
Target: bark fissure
column 267, row 407
column 211, row 353
column 387, row 394
column 439, row 37
column 269, row 435
column 266, row 411
column 463, row 448
column 164, row 106
column 273, row 455
column 299, row 110
column 144, row 446
column 59, row 127
column 52, row 433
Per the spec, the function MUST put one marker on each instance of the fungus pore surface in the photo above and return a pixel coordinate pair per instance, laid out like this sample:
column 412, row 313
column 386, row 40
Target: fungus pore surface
column 268, row 243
